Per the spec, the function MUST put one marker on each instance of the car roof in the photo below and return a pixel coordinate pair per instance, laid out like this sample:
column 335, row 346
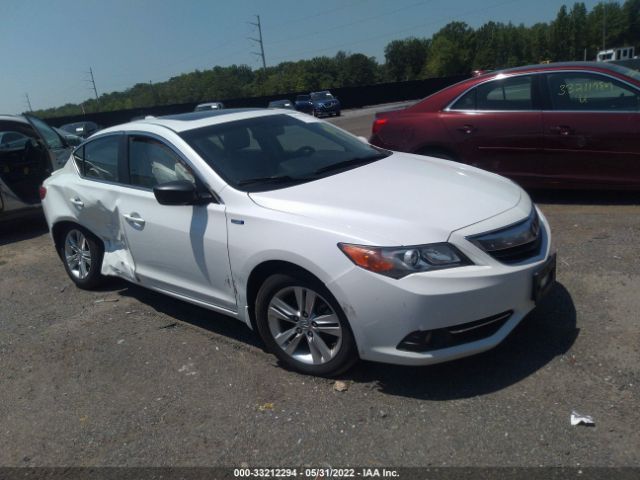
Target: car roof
column 192, row 120
column 81, row 123
column 13, row 118
column 555, row 66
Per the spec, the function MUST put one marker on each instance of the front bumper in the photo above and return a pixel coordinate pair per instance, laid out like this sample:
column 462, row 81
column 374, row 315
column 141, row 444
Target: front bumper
column 327, row 109
column 382, row 311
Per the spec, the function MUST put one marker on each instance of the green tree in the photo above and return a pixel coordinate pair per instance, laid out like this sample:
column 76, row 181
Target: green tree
column 560, row 36
column 578, row 41
column 405, row 59
column 452, row 50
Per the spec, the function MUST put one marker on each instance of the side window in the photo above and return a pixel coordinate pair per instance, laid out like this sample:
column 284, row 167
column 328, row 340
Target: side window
column 101, row 158
column 152, row 163
column 588, row 91
column 513, row 93
column 466, row 102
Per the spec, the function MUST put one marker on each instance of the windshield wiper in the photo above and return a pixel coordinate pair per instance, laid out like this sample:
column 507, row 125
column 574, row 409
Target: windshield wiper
column 272, row 179
column 349, row 163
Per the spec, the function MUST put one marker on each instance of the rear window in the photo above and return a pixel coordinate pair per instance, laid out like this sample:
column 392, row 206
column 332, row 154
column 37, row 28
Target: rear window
column 466, row 102
column 505, row 94
column 99, row 158
column 513, row 93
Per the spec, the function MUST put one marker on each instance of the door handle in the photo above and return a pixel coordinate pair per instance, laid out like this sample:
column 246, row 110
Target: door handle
column 77, row 202
column 563, row 130
column 467, row 129
column 135, row 219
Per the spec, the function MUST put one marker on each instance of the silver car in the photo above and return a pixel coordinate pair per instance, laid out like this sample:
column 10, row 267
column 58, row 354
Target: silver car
column 29, row 151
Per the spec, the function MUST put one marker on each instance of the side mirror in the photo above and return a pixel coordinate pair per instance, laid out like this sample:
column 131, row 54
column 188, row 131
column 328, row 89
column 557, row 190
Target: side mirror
column 363, row 139
column 179, row 192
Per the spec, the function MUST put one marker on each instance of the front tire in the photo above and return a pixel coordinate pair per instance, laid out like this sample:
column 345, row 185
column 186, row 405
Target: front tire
column 81, row 254
column 302, row 324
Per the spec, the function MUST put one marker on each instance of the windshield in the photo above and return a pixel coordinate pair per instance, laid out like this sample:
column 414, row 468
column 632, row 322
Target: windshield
column 302, row 98
column 321, row 96
column 277, row 151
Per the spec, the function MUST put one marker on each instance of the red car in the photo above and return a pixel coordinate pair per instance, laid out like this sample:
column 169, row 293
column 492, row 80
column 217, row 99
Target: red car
column 566, row 125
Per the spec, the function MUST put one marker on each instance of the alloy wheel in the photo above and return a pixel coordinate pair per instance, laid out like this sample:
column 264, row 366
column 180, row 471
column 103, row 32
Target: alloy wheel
column 304, row 325
column 77, row 254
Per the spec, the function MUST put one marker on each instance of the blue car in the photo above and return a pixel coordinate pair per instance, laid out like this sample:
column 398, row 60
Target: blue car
column 318, row 104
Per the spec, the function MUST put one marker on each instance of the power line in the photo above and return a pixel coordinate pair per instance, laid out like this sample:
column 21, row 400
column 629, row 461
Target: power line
column 355, row 22
column 396, row 32
column 259, row 41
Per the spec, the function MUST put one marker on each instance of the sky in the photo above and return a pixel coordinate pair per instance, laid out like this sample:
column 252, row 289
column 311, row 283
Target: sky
column 47, row 47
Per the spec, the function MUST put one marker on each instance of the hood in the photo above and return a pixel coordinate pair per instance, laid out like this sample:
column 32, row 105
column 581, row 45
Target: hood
column 403, row 199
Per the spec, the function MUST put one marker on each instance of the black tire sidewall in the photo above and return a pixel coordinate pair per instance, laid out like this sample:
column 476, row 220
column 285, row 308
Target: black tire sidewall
column 97, row 252
column 347, row 355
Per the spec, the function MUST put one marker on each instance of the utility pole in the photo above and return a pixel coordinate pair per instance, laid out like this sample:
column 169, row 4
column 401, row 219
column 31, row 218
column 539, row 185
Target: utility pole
column 26, row 95
column 259, row 41
column 93, row 82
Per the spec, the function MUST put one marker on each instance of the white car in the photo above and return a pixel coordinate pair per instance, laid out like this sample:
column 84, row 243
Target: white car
column 330, row 248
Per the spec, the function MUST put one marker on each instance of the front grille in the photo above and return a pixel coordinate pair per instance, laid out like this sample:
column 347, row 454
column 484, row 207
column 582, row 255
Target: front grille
column 513, row 244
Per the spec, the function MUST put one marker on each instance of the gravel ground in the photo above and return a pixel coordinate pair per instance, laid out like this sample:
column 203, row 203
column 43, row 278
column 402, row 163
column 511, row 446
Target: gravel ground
column 125, row 376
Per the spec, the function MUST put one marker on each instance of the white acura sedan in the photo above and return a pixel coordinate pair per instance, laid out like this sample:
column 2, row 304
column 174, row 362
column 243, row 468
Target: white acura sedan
column 330, row 248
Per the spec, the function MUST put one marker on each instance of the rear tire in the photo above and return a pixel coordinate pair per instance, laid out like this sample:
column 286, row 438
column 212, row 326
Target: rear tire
column 81, row 254
column 303, row 325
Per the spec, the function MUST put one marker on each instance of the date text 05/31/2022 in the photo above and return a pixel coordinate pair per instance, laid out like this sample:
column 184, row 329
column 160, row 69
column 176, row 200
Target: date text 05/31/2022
column 316, row 473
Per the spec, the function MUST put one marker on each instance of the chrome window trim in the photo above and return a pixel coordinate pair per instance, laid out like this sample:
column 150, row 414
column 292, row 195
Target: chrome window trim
column 546, row 72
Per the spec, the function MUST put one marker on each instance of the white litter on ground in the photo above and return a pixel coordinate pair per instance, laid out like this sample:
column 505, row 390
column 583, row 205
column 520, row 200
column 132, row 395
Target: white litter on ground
column 579, row 419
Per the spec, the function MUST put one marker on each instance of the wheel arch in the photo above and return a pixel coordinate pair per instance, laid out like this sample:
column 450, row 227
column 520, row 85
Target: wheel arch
column 264, row 270
column 58, row 229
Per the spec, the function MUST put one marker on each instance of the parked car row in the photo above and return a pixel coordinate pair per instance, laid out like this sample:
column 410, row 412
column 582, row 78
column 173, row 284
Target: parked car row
column 277, row 219
column 560, row 125
column 316, row 103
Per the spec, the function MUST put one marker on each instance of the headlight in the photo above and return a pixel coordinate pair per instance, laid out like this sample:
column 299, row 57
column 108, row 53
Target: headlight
column 398, row 262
